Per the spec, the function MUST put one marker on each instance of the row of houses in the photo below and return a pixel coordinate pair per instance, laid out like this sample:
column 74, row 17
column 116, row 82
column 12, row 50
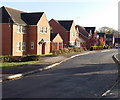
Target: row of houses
column 31, row 33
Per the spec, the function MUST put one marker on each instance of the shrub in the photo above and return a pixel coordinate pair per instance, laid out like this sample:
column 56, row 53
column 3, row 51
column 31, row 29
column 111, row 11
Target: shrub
column 96, row 48
column 56, row 52
column 20, row 58
column 71, row 50
column 30, row 58
column 5, row 58
column 77, row 49
column 67, row 50
column 84, row 48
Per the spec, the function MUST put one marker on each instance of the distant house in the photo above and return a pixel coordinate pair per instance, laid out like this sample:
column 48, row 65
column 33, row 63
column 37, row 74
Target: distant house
column 67, row 30
column 117, row 41
column 101, row 39
column 110, row 40
column 56, row 42
column 92, row 35
column 24, row 33
column 88, row 34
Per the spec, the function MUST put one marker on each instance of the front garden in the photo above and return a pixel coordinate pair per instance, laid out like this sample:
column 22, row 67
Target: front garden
column 12, row 61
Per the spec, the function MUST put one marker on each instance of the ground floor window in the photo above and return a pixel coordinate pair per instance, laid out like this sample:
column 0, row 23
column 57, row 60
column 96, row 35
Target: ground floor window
column 54, row 44
column 32, row 45
column 18, row 46
column 23, row 46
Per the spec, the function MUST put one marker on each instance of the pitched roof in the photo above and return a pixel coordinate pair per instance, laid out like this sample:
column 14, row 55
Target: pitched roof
column 53, row 35
column 20, row 17
column 31, row 18
column 14, row 14
column 82, row 30
column 90, row 28
column 66, row 24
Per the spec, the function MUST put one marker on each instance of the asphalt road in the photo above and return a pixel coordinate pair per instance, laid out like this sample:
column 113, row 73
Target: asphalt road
column 86, row 76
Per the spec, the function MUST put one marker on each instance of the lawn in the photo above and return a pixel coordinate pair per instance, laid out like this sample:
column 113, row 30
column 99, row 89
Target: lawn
column 13, row 64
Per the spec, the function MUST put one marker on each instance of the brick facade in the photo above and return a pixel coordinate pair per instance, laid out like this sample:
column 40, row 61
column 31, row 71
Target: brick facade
column 56, row 43
column 68, row 38
column 21, row 36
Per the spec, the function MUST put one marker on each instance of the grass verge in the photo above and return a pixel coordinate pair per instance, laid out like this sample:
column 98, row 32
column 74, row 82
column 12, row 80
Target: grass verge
column 13, row 64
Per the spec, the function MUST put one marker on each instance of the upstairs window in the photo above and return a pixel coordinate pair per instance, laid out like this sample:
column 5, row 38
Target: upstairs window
column 73, row 34
column 18, row 28
column 43, row 30
column 23, row 29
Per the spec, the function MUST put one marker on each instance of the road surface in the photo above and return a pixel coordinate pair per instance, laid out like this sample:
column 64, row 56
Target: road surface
column 86, row 76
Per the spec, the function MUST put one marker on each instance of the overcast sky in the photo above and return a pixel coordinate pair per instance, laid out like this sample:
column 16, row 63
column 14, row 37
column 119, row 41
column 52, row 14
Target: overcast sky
column 96, row 13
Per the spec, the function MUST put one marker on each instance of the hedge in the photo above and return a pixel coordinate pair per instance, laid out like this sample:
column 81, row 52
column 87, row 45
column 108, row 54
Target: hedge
column 19, row 58
column 96, row 48
column 67, row 50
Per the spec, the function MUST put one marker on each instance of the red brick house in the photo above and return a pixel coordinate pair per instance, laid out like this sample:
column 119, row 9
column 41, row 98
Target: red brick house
column 24, row 33
column 110, row 40
column 66, row 29
column 88, row 34
column 101, row 39
column 56, row 42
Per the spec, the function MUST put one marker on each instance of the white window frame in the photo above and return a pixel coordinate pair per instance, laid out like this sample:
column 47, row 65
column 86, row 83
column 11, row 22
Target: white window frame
column 45, row 30
column 32, row 45
column 23, row 46
column 73, row 34
column 18, row 29
column 18, row 46
column 41, row 29
column 23, row 29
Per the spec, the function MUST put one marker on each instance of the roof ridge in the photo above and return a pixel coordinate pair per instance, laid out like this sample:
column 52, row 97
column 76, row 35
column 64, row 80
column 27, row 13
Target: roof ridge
column 14, row 9
column 15, row 15
column 33, row 12
column 66, row 21
column 59, row 23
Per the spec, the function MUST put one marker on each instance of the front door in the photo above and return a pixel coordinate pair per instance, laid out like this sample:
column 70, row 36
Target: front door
column 43, row 48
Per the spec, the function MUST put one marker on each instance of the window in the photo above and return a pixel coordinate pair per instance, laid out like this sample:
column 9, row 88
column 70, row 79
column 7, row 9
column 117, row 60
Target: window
column 110, row 39
column 54, row 44
column 45, row 29
column 23, row 29
column 106, row 39
column 18, row 29
column 23, row 46
column 60, row 43
column 18, row 46
column 32, row 45
column 73, row 34
column 41, row 29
